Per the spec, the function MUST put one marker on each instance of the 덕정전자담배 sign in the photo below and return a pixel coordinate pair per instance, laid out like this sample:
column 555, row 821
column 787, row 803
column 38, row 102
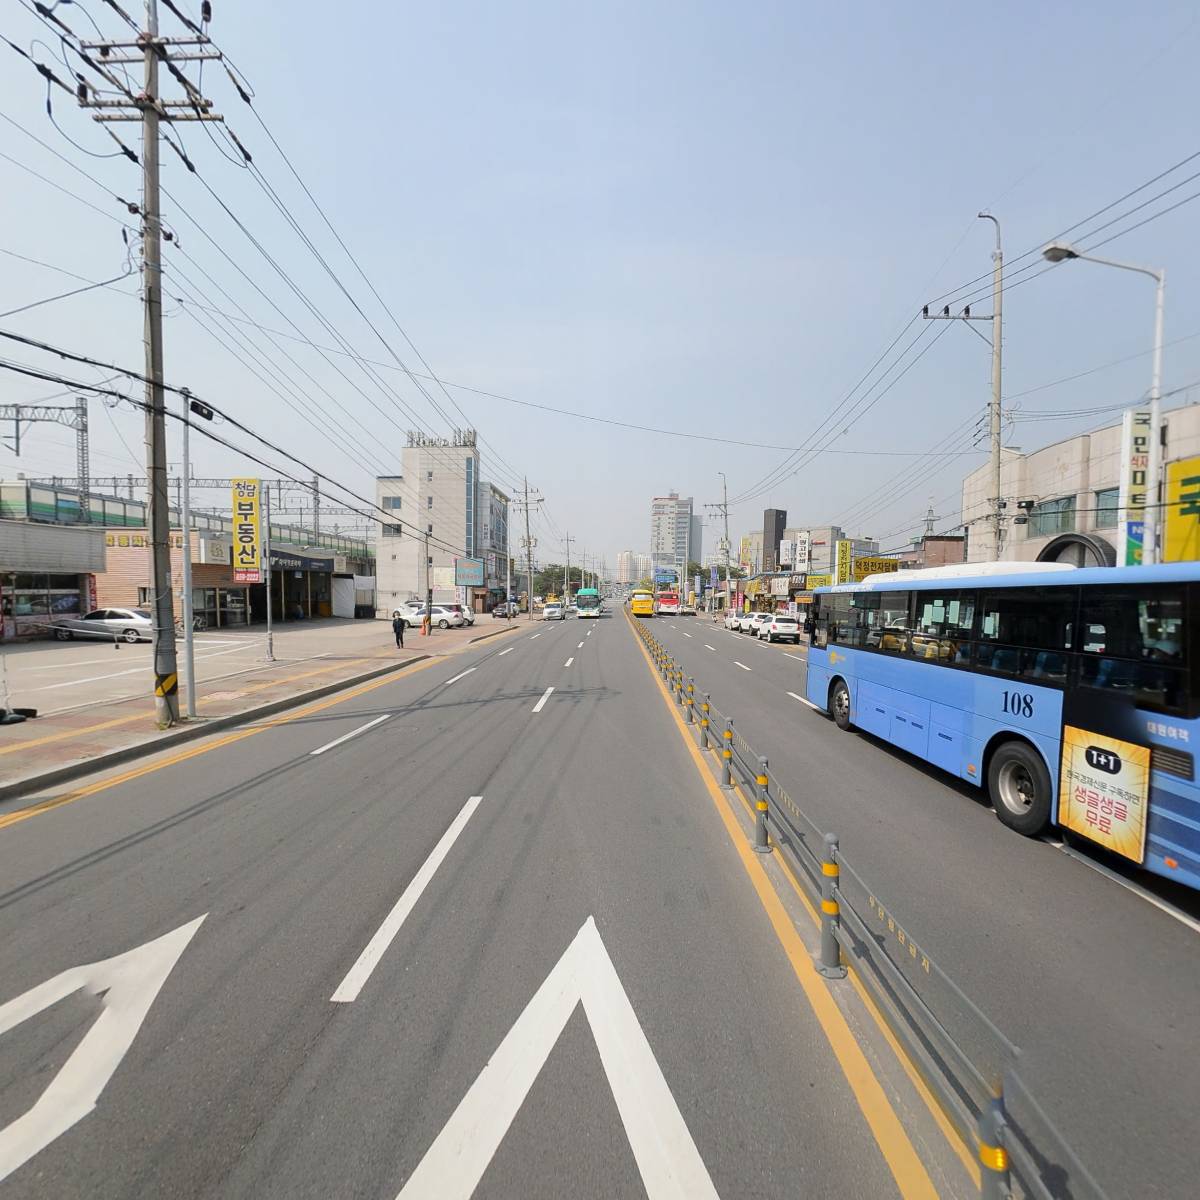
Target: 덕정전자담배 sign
column 1104, row 790
column 873, row 566
column 843, row 564
column 247, row 549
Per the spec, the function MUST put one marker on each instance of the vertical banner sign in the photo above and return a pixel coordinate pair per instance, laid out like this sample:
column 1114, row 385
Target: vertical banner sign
column 247, row 552
column 712, row 577
column 1134, row 494
column 844, row 565
column 800, row 560
column 1181, row 536
column 1104, row 790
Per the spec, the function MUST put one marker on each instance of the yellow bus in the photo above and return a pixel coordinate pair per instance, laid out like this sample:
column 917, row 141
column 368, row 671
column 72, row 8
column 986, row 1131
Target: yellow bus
column 641, row 603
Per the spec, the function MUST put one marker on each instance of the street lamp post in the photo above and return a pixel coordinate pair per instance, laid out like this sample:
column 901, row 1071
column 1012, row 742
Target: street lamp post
column 1058, row 252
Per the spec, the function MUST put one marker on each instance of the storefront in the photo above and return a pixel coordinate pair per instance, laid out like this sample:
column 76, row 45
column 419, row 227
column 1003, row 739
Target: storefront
column 49, row 572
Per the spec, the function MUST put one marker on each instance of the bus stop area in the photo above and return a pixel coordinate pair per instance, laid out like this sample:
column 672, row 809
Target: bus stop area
column 94, row 699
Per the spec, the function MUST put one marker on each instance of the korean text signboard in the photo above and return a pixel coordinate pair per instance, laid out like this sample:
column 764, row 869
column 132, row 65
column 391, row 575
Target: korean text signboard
column 842, row 562
column 1136, row 431
column 873, row 566
column 247, row 550
column 1181, row 526
column 1104, row 790
column 816, row 581
column 468, row 572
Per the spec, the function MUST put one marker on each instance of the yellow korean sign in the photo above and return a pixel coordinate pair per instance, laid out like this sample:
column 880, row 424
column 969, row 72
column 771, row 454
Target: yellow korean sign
column 816, row 581
column 842, row 563
column 247, row 551
column 1104, row 790
column 1181, row 522
column 873, row 566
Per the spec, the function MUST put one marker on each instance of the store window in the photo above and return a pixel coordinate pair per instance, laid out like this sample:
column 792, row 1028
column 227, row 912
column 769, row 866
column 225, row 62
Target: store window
column 1052, row 517
column 1106, row 508
column 32, row 602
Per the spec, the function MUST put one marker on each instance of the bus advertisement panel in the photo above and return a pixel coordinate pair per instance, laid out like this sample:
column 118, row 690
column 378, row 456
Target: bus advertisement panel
column 1071, row 695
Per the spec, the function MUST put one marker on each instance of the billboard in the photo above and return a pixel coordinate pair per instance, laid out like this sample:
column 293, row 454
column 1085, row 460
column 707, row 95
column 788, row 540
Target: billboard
column 245, row 495
column 468, row 572
column 1104, row 790
column 1135, row 487
column 1181, row 523
column 816, row 581
column 842, row 562
column 664, row 575
column 872, row 566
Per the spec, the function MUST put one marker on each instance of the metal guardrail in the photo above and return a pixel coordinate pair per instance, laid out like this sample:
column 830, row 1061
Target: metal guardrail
column 968, row 1064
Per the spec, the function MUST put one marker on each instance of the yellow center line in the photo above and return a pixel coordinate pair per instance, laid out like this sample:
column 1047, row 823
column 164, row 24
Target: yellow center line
column 894, row 1143
column 205, row 747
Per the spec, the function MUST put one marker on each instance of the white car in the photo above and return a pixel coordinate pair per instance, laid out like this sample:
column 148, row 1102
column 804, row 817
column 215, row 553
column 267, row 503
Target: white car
column 443, row 617
column 553, row 612
column 780, row 628
column 111, row 624
column 753, row 621
column 733, row 619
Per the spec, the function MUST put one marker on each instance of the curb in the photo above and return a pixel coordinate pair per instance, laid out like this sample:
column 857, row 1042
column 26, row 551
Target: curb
column 188, row 733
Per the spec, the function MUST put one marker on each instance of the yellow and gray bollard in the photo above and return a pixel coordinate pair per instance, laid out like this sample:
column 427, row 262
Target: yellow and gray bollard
column 704, row 709
column 727, row 755
column 691, row 701
column 993, row 1157
column 831, row 960
column 761, row 844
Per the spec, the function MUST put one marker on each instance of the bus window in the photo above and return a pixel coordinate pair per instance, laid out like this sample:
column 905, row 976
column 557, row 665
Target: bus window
column 942, row 626
column 1027, row 632
column 1135, row 645
column 884, row 621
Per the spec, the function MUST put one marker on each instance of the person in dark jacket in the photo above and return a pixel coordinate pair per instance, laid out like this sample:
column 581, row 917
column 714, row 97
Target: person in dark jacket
column 398, row 629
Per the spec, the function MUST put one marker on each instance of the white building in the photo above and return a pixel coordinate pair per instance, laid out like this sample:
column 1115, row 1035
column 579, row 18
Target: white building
column 671, row 530
column 443, row 513
column 1063, row 503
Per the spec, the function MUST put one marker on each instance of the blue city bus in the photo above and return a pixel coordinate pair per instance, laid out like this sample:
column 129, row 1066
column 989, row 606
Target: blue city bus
column 1071, row 695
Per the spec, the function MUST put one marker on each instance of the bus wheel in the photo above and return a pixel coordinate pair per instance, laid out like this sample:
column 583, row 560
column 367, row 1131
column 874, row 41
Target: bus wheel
column 839, row 704
column 1019, row 786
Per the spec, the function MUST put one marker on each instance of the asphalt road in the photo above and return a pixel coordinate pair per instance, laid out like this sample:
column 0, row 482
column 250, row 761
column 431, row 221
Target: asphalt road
column 1097, row 986
column 376, row 907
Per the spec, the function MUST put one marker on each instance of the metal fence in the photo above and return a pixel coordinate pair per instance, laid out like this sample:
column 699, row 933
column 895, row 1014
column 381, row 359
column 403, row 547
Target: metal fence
column 968, row 1064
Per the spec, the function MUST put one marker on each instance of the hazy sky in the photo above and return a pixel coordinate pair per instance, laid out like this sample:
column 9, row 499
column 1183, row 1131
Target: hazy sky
column 709, row 218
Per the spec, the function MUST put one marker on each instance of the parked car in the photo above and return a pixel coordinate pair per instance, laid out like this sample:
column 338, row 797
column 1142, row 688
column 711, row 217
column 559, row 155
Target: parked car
column 733, row 619
column 553, row 612
column 752, row 621
column 506, row 608
column 468, row 614
column 780, row 628
column 127, row 624
column 443, row 616
column 687, row 610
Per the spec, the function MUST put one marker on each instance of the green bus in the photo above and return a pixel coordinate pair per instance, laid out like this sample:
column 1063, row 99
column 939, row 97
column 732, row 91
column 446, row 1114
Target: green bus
column 587, row 601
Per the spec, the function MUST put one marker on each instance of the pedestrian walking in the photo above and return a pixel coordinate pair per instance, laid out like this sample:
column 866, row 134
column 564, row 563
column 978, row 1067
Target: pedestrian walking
column 398, row 628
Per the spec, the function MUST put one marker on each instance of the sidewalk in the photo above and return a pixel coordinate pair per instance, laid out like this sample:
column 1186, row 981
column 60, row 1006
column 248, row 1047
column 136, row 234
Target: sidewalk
column 99, row 730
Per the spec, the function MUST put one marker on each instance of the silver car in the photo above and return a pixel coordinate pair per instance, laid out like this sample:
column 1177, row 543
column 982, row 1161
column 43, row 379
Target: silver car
column 111, row 624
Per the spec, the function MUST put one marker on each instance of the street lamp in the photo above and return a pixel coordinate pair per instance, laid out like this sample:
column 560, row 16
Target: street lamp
column 1058, row 252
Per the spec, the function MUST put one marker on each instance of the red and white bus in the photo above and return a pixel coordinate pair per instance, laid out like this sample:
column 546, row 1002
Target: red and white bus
column 666, row 603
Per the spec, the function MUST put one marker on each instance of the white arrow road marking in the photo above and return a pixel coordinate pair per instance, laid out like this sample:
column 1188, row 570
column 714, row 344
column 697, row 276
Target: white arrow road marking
column 375, row 949
column 347, row 736
column 504, row 652
column 542, row 702
column 460, row 675
column 667, row 1157
column 742, row 665
column 129, row 982
column 804, row 701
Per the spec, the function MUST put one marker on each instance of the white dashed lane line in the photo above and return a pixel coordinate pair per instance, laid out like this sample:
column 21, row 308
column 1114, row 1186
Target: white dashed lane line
column 569, row 661
column 537, row 708
column 814, row 707
column 347, row 736
column 742, row 665
column 708, row 647
column 504, row 652
column 687, row 635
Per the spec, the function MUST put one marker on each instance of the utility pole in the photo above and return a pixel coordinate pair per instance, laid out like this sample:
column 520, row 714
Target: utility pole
column 149, row 108
column 568, row 539
column 266, row 538
column 996, row 318
column 189, row 653
column 723, row 509
column 428, row 589
column 166, row 676
column 529, row 544
column 997, row 347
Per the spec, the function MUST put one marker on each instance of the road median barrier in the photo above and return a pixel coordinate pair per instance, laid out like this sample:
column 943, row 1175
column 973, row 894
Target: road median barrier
column 967, row 1067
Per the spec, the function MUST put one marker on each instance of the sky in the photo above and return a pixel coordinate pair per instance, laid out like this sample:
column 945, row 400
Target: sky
column 706, row 218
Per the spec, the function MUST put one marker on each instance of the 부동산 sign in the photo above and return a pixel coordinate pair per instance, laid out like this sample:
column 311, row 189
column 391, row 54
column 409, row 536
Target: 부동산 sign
column 1104, row 790
column 247, row 550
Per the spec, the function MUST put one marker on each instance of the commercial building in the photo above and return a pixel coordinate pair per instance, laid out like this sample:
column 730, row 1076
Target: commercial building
column 313, row 574
column 450, row 533
column 812, row 550
column 750, row 552
column 934, row 550
column 774, row 523
column 1064, row 503
column 671, row 530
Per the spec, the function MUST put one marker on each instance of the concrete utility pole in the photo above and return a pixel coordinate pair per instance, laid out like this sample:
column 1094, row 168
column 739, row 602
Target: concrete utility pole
column 189, row 652
column 997, row 348
column 166, row 676
column 529, row 544
column 567, row 540
column 723, row 509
